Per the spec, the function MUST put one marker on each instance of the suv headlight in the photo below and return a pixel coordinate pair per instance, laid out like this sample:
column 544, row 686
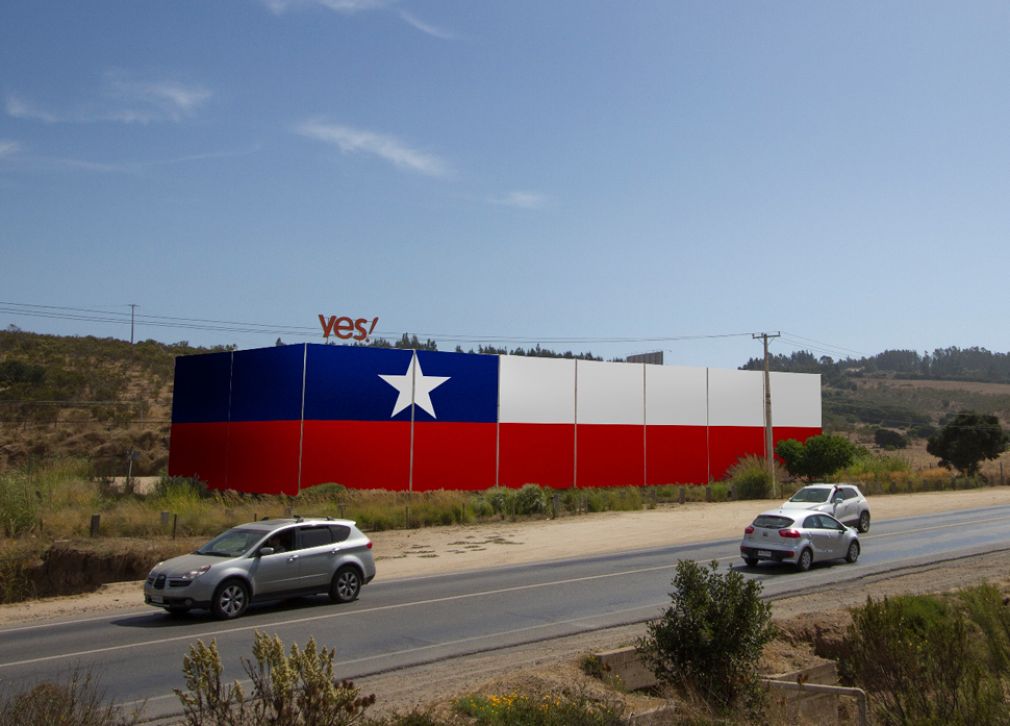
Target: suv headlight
column 193, row 574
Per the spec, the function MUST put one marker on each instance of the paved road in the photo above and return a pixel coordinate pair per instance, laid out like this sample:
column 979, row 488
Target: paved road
column 407, row 622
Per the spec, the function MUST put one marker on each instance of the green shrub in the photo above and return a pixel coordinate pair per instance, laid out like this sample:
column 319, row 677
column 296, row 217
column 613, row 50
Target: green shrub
column 986, row 608
column 558, row 709
column 531, row 499
column 917, row 658
column 750, row 478
column 19, row 505
column 80, row 701
column 287, row 690
column 502, row 500
column 889, row 439
column 709, row 641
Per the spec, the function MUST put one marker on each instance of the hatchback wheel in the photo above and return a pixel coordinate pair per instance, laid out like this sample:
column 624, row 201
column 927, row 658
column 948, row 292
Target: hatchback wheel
column 806, row 559
column 346, row 585
column 230, row 599
column 853, row 554
column 751, row 561
column 864, row 522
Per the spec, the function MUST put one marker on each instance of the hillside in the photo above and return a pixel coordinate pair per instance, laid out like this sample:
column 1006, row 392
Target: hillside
column 96, row 398
column 100, row 398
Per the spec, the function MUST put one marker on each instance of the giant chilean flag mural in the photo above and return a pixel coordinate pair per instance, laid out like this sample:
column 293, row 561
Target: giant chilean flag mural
column 278, row 420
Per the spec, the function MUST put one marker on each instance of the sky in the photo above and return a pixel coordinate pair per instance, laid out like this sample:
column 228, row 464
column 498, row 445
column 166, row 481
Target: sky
column 590, row 175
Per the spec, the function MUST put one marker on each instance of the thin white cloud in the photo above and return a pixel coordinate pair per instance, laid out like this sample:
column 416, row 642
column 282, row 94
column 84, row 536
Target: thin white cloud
column 424, row 27
column 348, row 7
column 8, row 147
column 361, row 141
column 521, row 200
column 142, row 101
column 18, row 107
column 125, row 98
column 63, row 163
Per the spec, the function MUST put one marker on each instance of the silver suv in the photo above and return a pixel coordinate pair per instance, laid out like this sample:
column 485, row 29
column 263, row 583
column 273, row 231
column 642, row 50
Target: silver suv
column 266, row 560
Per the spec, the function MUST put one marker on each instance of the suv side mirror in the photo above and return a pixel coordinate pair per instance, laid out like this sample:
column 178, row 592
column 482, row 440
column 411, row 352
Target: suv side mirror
column 838, row 500
column 265, row 551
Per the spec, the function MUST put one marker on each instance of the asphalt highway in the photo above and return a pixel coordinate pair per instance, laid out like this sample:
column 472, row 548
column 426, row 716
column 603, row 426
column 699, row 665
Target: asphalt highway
column 138, row 654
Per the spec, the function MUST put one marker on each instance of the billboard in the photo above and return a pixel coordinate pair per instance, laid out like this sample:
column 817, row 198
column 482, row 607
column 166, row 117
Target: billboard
column 278, row 420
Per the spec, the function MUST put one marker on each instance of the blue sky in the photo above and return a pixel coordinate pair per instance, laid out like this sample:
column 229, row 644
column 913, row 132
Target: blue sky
column 606, row 176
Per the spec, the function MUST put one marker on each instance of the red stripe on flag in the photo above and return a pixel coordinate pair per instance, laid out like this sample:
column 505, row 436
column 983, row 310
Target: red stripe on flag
column 676, row 455
column 541, row 454
column 449, row 455
column 726, row 444
column 263, row 456
column 200, row 451
column 610, row 455
column 357, row 454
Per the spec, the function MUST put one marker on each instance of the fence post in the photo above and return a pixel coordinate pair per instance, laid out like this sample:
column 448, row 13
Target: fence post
column 96, row 520
column 175, row 522
column 708, row 493
column 554, row 506
column 682, row 496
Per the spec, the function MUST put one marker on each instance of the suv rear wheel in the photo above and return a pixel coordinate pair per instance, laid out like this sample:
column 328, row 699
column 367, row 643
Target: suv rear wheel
column 346, row 585
column 864, row 522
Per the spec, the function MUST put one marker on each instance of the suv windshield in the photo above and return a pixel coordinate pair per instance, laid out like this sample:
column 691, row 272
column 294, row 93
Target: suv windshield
column 809, row 494
column 232, row 543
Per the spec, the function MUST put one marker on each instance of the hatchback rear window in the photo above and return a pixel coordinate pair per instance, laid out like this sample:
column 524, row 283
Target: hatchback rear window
column 773, row 522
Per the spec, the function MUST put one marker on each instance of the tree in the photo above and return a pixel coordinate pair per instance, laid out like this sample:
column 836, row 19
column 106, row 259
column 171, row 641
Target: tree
column 709, row 640
column 889, row 439
column 817, row 457
column 967, row 440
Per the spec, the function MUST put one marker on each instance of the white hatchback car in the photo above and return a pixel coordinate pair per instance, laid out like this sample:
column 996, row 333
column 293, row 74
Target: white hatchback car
column 797, row 537
column 844, row 502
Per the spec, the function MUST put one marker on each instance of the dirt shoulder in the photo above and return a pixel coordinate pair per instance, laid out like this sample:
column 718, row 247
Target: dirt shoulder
column 440, row 550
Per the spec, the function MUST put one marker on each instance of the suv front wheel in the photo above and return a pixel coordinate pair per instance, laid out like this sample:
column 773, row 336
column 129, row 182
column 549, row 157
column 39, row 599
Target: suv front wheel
column 346, row 585
column 230, row 599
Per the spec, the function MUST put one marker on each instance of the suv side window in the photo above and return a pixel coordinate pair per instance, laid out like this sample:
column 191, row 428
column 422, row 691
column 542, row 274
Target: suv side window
column 313, row 537
column 340, row 532
column 283, row 541
column 848, row 493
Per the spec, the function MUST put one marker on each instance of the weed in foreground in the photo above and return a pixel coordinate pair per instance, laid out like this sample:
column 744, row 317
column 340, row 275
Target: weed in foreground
column 296, row 689
column 80, row 701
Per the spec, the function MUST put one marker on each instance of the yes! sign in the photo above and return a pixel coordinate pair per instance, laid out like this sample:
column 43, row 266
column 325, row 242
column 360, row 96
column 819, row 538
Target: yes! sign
column 347, row 329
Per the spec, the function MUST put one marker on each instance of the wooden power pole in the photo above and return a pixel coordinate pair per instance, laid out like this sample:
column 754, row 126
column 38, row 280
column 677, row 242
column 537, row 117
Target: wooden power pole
column 769, row 440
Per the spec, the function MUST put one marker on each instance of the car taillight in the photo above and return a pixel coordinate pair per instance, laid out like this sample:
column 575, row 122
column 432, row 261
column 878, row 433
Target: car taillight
column 749, row 530
column 369, row 545
column 790, row 533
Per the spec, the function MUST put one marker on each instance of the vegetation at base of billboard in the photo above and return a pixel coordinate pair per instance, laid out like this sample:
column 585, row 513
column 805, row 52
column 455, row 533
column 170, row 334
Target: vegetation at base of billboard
column 80, row 701
column 968, row 439
column 818, row 456
column 564, row 708
column 932, row 658
column 708, row 643
column 750, row 479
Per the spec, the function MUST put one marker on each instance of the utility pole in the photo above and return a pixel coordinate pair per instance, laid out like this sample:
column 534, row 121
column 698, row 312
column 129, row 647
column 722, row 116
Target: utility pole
column 133, row 310
column 769, row 446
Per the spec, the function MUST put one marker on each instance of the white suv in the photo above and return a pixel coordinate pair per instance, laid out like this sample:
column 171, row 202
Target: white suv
column 842, row 501
column 267, row 560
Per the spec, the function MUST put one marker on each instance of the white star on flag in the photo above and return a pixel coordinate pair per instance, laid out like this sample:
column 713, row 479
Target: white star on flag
column 423, row 386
